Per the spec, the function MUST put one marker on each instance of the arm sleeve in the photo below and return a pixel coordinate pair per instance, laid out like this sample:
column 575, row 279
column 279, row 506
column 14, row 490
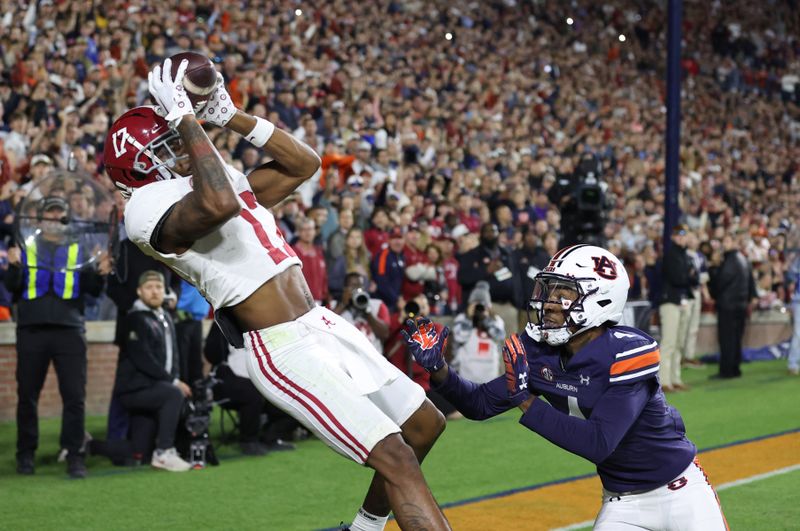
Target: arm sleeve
column 92, row 283
column 139, row 352
column 474, row 401
column 597, row 437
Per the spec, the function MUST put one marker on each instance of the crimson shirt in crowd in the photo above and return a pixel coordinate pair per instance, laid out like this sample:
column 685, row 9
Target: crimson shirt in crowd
column 375, row 240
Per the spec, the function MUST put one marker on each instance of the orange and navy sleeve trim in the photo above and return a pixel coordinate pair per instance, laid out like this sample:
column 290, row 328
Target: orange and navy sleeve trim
column 635, row 363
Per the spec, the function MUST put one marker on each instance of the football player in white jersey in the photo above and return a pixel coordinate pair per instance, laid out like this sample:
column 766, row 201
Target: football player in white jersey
column 214, row 229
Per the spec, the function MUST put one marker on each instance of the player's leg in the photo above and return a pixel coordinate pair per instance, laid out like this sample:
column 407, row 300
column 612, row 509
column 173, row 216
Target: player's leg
column 420, row 430
column 299, row 372
column 408, row 495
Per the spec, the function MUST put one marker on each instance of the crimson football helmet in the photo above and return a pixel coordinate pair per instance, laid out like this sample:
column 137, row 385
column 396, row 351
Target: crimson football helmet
column 140, row 149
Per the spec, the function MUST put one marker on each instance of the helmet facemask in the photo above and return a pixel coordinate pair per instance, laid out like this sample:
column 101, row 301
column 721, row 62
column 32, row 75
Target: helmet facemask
column 567, row 293
column 160, row 155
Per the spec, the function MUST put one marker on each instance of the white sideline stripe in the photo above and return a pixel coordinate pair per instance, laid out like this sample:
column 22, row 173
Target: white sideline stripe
column 634, row 374
column 724, row 486
column 635, row 350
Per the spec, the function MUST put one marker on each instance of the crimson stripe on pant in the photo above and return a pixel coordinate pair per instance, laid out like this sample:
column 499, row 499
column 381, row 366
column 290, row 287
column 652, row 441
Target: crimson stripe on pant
column 358, row 450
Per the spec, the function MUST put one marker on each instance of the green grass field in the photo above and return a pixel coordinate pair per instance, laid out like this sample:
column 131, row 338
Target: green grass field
column 313, row 488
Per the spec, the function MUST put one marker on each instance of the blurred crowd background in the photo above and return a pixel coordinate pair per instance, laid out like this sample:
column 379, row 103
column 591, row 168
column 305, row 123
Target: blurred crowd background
column 438, row 117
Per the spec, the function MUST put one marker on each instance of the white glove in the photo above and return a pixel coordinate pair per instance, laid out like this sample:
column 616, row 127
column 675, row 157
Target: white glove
column 219, row 109
column 169, row 93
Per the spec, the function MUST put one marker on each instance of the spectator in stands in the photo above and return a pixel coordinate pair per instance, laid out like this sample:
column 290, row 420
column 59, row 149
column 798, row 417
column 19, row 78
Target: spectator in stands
column 334, row 252
column 147, row 372
column 733, row 288
column 531, row 258
column 388, row 270
column 234, row 390
column 377, row 235
column 680, row 280
column 477, row 334
column 370, row 315
column 50, row 327
column 313, row 259
column 190, row 311
column 446, row 245
column 496, row 265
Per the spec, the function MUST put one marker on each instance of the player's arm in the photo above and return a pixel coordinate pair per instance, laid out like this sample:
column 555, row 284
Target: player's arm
column 212, row 201
column 293, row 161
column 474, row 401
column 597, row 437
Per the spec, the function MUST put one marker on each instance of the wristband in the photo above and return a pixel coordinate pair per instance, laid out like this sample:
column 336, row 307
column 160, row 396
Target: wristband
column 261, row 133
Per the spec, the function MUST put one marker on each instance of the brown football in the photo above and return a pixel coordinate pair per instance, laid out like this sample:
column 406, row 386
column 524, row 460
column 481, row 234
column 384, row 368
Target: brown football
column 200, row 78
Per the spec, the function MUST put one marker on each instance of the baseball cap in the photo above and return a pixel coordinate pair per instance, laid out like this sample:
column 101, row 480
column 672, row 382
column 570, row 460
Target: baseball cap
column 396, row 232
column 147, row 276
column 364, row 145
column 41, row 158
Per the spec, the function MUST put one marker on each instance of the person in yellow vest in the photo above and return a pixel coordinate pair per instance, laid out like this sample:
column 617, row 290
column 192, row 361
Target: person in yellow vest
column 48, row 287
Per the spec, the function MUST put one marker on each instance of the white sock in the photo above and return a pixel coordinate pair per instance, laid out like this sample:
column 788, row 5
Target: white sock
column 365, row 521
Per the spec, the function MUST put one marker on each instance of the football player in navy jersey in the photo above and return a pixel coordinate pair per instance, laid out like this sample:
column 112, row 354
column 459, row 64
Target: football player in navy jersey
column 591, row 387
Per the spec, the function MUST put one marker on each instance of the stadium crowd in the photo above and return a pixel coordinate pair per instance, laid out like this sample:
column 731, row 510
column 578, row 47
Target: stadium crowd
column 438, row 123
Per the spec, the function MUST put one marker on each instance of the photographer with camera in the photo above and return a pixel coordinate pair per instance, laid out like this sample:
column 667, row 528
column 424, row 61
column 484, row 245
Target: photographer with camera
column 370, row 316
column 147, row 372
column 477, row 334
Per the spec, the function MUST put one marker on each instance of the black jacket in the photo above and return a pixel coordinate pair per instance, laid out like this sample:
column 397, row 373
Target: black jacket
column 529, row 261
column 142, row 361
column 731, row 284
column 680, row 276
column 473, row 267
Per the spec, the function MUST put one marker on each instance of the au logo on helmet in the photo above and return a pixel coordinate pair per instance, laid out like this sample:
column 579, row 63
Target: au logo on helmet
column 604, row 267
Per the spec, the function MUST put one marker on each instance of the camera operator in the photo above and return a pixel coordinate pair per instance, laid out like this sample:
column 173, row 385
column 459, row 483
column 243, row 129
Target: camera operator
column 147, row 371
column 581, row 200
column 477, row 334
column 369, row 315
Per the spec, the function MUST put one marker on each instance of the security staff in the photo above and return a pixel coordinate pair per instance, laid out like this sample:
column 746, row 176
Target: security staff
column 43, row 275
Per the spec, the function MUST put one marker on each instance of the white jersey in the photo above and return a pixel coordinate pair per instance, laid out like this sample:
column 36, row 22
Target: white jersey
column 230, row 263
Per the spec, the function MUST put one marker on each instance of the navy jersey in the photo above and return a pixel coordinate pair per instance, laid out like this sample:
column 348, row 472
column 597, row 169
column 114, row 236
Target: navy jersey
column 605, row 404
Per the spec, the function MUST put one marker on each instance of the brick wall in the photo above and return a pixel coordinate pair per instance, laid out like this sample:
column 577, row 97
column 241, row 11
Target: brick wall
column 102, row 362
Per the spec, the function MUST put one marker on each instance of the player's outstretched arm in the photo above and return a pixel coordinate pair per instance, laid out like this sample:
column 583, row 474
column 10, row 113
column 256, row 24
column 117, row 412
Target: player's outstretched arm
column 294, row 161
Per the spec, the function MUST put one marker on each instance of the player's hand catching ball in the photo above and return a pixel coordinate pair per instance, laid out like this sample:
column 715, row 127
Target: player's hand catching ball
column 169, row 93
column 425, row 343
column 219, row 109
column 517, row 376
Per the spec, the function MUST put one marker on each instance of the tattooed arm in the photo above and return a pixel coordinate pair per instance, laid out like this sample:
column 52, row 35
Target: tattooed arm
column 212, row 201
column 293, row 163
